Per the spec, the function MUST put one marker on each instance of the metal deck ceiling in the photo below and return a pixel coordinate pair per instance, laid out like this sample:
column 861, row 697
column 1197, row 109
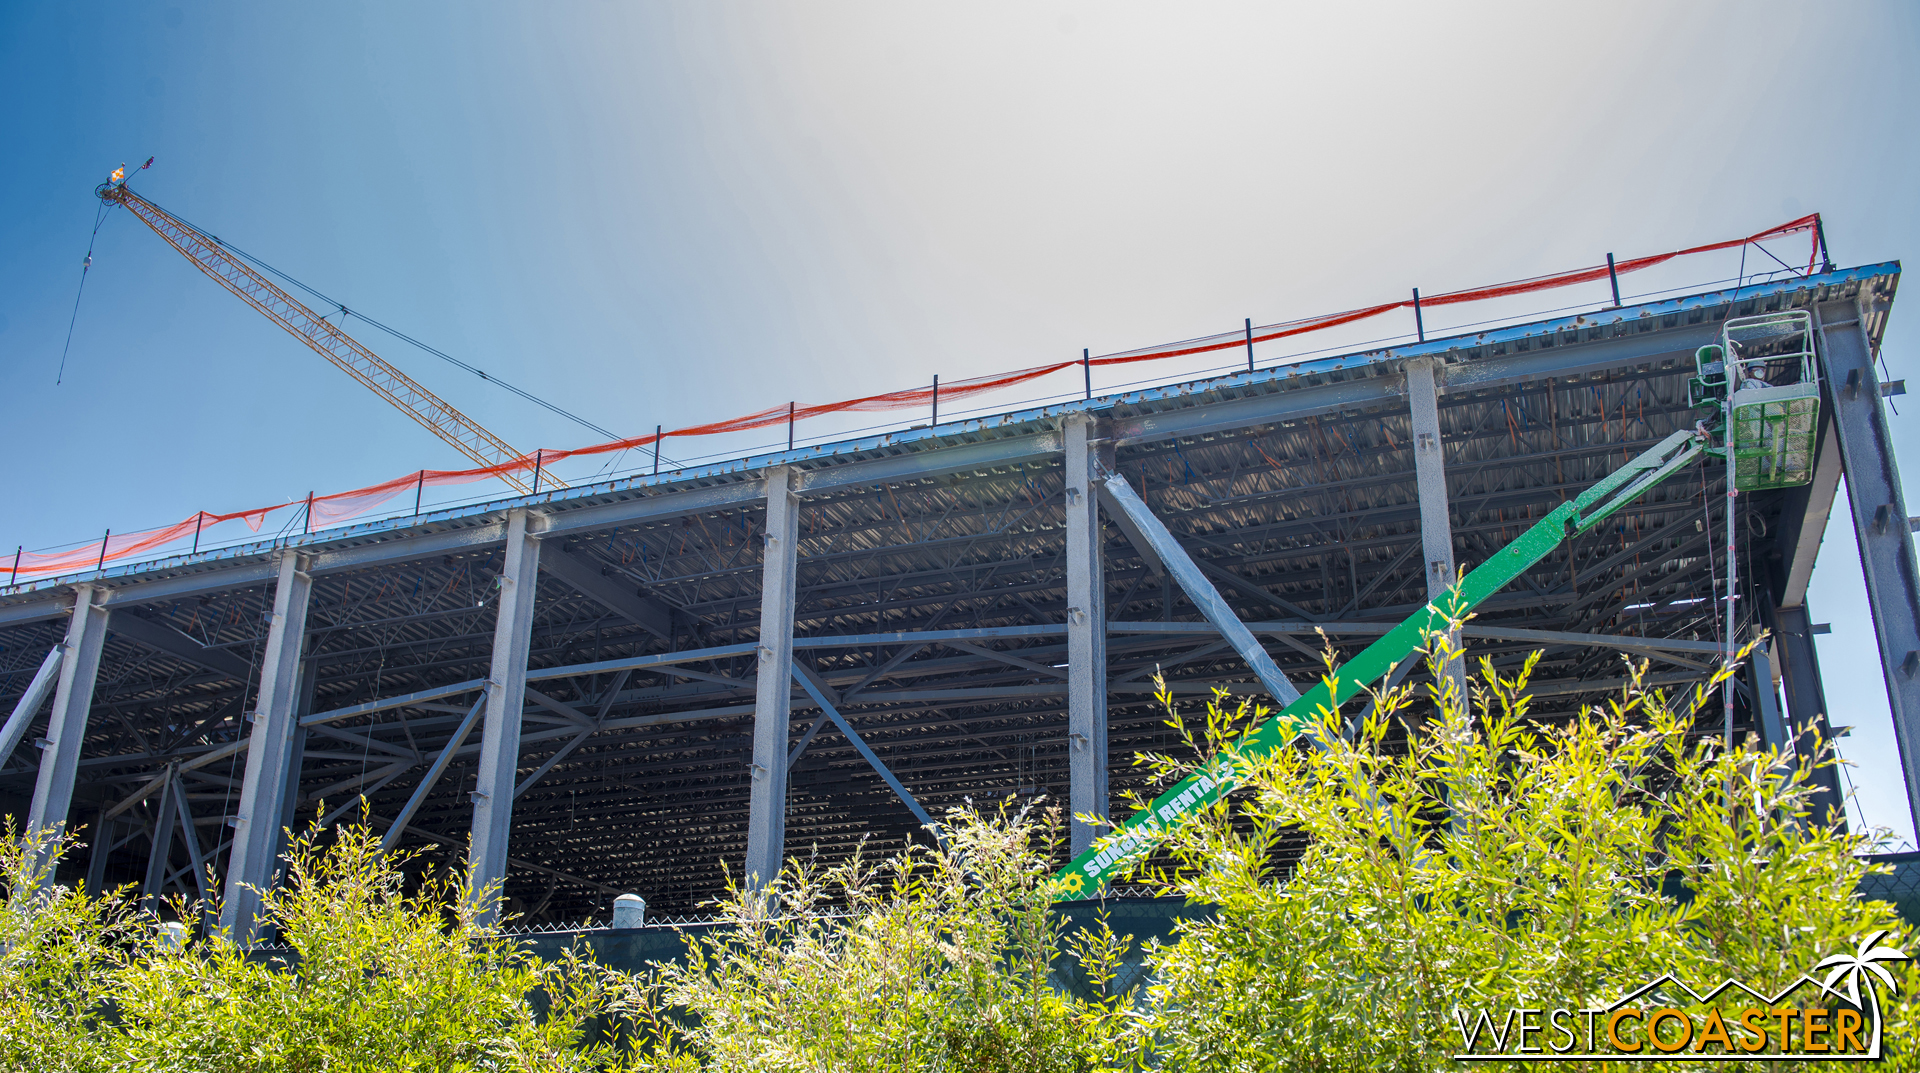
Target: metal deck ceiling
column 931, row 601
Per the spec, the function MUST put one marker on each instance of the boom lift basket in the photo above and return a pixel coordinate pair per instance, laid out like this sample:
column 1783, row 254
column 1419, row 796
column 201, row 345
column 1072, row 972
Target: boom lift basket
column 1768, row 362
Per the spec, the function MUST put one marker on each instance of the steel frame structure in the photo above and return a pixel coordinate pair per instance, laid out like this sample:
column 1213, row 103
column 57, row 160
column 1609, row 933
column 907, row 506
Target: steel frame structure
column 577, row 684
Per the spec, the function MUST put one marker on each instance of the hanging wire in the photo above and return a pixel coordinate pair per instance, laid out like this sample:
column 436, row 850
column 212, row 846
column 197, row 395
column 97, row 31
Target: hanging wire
column 1706, row 514
column 99, row 218
column 345, row 312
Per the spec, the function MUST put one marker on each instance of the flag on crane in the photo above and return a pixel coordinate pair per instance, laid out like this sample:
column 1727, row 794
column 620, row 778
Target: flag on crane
column 119, row 173
column 147, row 165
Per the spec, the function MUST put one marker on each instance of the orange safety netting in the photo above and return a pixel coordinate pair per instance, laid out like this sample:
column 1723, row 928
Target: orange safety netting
column 1261, row 334
column 342, row 506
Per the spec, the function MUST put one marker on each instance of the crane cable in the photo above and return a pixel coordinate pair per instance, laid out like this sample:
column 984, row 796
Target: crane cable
column 99, row 218
column 396, row 333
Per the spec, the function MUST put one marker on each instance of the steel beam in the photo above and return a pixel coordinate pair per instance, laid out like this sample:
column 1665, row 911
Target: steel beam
column 67, row 726
column 1436, row 521
column 560, row 708
column 209, row 757
column 984, row 633
column 1879, row 523
column 39, row 608
column 434, row 770
column 517, row 862
column 192, row 839
column 162, row 846
column 404, row 700
column 1807, row 707
column 30, row 701
column 1235, row 581
column 263, row 790
column 817, row 689
column 500, row 741
column 773, row 692
column 385, row 543
column 206, row 892
column 929, row 462
column 1160, row 666
column 559, row 754
column 367, row 784
column 1610, row 685
column 813, row 730
column 1012, row 659
column 1141, row 545
column 161, row 636
column 1087, row 791
column 660, row 504
column 648, row 614
column 1372, row 387
column 1205, row 597
column 1495, row 633
column 1650, row 645
column 1497, row 358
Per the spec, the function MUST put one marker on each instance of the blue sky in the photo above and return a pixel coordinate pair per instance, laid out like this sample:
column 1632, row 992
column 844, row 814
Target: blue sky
column 657, row 213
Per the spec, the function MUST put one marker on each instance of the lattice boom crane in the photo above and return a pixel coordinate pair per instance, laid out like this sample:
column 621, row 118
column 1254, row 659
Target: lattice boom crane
column 405, row 393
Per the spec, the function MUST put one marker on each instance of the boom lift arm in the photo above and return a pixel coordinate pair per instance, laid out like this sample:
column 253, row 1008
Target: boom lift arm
column 405, row 393
column 1758, row 391
column 1091, row 869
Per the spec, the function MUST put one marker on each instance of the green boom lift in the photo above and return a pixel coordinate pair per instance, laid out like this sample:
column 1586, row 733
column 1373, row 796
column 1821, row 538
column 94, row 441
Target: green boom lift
column 1760, row 382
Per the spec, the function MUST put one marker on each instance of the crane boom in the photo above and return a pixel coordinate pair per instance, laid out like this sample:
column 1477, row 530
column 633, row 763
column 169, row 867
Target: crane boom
column 405, row 393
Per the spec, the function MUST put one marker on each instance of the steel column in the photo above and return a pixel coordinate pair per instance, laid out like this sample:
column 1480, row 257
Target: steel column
column 1766, row 700
column 773, row 691
column 1807, row 705
column 1087, row 793
column 290, row 800
column 67, row 726
column 1436, row 524
column 101, row 845
column 1879, row 523
column 256, row 833
column 500, row 740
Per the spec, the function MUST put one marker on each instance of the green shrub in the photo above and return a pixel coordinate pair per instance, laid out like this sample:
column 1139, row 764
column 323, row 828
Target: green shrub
column 381, row 979
column 1484, row 859
column 936, row 959
column 1477, row 858
column 59, row 947
column 377, row 979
